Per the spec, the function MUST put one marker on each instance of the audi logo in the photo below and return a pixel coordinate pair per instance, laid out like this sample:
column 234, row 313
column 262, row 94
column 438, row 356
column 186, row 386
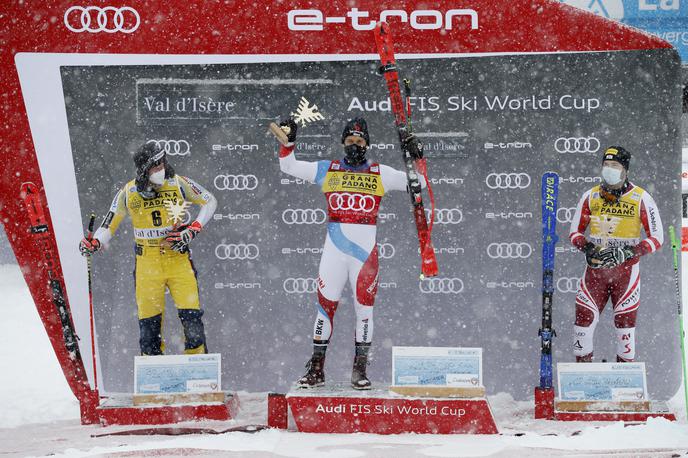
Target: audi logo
column 568, row 284
column 236, row 182
column 386, row 250
column 304, row 216
column 507, row 180
column 439, row 285
column 107, row 19
column 577, row 145
column 300, row 285
column 236, row 251
column 354, row 202
column 565, row 215
column 173, row 147
column 514, row 250
column 446, row 215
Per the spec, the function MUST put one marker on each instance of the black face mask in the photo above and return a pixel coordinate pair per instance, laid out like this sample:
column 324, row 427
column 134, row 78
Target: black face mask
column 355, row 154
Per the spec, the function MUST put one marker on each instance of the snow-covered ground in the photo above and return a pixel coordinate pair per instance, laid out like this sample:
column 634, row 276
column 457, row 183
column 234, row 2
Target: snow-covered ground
column 39, row 416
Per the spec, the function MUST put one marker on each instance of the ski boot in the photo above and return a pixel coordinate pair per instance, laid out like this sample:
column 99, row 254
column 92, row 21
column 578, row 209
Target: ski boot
column 316, row 374
column 359, row 380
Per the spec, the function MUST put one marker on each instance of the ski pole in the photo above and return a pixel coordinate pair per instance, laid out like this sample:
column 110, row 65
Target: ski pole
column 89, row 263
column 675, row 251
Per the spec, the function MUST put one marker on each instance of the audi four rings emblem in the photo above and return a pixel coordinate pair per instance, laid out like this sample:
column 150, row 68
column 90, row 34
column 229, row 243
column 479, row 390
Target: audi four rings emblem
column 107, row 19
column 568, row 284
column 438, row 285
column 236, row 182
column 304, row 216
column 577, row 145
column 236, row 251
column 565, row 215
column 173, row 147
column 446, row 215
column 354, row 202
column 300, row 285
column 512, row 250
column 507, row 180
column 385, row 250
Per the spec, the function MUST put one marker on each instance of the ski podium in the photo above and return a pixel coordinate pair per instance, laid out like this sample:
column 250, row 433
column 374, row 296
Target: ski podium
column 435, row 390
column 587, row 391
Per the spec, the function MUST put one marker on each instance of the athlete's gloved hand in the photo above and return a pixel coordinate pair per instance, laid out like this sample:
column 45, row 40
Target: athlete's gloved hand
column 180, row 238
column 592, row 255
column 289, row 127
column 612, row 257
column 89, row 246
column 414, row 147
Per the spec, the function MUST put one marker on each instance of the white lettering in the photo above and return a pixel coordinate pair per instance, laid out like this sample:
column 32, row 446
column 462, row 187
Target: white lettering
column 314, row 20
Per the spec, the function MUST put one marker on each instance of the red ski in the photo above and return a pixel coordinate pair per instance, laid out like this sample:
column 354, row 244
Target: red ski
column 385, row 48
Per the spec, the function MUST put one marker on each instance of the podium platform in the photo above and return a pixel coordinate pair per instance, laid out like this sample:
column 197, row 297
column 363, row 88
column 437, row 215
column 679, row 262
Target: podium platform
column 549, row 408
column 606, row 413
column 119, row 409
column 338, row 408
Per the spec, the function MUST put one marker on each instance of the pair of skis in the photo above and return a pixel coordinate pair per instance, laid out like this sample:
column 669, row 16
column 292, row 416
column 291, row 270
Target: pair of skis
column 385, row 47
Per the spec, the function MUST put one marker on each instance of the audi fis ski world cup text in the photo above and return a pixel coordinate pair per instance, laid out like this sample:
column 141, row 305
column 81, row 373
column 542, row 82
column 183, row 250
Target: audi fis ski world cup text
column 405, row 410
column 566, row 102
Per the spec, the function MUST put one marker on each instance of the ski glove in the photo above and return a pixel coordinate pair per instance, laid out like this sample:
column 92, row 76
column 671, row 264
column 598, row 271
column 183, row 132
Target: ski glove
column 414, row 147
column 612, row 257
column 180, row 238
column 289, row 127
column 592, row 255
column 89, row 246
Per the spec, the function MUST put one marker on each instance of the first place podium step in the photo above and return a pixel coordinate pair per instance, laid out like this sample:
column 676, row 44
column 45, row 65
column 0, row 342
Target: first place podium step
column 337, row 408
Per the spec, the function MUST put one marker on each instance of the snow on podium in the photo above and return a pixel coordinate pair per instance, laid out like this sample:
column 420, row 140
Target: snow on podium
column 544, row 88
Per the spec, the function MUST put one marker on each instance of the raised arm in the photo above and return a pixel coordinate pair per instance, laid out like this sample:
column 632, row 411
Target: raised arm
column 313, row 172
column 395, row 180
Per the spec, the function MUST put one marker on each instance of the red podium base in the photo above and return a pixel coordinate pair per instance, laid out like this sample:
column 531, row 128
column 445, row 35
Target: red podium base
column 340, row 409
column 120, row 410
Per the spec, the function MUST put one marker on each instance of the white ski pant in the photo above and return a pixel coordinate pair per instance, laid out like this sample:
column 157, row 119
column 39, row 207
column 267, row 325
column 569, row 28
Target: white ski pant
column 350, row 253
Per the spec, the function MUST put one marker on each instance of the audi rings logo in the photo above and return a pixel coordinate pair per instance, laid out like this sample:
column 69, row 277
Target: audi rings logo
column 567, row 284
column 386, row 250
column 577, row 145
column 439, row 285
column 107, row 19
column 353, row 202
column 304, row 216
column 236, row 182
column 300, row 285
column 514, row 250
column 446, row 215
column 173, row 147
column 565, row 214
column 507, row 180
column 236, row 251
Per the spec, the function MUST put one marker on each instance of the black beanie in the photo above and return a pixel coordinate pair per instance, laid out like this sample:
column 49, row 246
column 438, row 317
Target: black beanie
column 618, row 154
column 357, row 127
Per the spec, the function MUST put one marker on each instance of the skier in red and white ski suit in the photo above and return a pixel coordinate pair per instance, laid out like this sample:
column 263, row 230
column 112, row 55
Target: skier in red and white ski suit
column 353, row 189
column 615, row 211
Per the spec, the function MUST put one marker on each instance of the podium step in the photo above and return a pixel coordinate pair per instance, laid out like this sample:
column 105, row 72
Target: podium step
column 338, row 408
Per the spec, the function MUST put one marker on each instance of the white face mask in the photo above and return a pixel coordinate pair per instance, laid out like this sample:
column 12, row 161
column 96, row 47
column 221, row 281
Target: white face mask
column 158, row 177
column 611, row 175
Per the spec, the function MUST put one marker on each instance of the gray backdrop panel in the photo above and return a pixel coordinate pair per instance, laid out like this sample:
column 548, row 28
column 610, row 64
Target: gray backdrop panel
column 258, row 258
